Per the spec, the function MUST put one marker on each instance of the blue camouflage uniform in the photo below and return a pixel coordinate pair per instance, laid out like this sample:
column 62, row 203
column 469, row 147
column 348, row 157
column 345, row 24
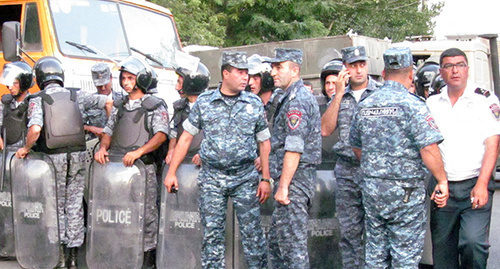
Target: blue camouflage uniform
column 232, row 127
column 97, row 117
column 296, row 128
column 157, row 121
column 348, row 195
column 70, row 169
column 390, row 127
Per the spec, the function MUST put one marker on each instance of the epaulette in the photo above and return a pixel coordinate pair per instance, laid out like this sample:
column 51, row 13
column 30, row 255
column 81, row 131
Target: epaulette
column 482, row 92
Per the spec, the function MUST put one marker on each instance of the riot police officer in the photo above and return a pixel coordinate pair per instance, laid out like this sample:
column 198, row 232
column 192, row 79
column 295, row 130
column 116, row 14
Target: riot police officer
column 328, row 77
column 18, row 78
column 136, row 78
column 67, row 149
column 425, row 74
column 190, row 84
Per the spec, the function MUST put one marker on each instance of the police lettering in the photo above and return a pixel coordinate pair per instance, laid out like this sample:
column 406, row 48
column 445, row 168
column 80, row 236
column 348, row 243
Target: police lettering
column 5, row 199
column 5, row 203
column 114, row 216
column 180, row 224
column 31, row 210
column 185, row 219
column 379, row 112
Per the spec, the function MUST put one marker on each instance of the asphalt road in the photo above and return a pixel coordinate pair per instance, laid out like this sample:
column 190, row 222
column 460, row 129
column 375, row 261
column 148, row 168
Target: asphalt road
column 493, row 262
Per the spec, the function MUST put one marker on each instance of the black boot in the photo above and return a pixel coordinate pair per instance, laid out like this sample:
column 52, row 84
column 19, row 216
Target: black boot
column 62, row 257
column 73, row 256
column 149, row 261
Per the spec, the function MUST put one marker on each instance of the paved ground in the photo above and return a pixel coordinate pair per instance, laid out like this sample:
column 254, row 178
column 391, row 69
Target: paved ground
column 493, row 262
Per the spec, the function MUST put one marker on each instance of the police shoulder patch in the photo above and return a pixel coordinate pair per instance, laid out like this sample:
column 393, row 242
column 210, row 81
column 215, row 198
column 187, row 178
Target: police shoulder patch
column 482, row 92
column 294, row 119
column 432, row 123
column 495, row 110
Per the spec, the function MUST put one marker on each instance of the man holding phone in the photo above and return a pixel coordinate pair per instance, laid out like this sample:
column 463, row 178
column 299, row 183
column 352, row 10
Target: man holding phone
column 339, row 114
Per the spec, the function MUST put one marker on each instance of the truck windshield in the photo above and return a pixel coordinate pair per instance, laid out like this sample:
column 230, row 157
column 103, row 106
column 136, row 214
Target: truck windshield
column 94, row 29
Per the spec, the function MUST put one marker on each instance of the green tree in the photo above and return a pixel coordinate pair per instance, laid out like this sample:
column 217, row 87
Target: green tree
column 242, row 22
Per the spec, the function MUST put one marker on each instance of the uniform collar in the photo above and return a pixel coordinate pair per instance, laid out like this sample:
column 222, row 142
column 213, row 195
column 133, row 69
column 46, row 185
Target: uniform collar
column 217, row 95
column 468, row 93
column 371, row 86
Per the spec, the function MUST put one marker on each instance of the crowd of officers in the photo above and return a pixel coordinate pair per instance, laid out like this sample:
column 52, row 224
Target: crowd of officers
column 258, row 135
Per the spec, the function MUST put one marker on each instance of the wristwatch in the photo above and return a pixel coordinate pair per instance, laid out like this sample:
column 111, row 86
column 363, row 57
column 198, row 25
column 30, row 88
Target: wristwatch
column 268, row 180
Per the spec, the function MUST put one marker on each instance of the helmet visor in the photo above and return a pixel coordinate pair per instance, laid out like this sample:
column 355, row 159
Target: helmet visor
column 10, row 74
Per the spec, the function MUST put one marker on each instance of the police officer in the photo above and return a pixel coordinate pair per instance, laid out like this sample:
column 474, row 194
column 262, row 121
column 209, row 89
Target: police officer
column 392, row 132
column 425, row 74
column 96, row 118
column 190, row 84
column 328, row 77
column 261, row 82
column 135, row 79
column 349, row 205
column 468, row 117
column 67, row 155
column 295, row 152
column 233, row 123
column 18, row 78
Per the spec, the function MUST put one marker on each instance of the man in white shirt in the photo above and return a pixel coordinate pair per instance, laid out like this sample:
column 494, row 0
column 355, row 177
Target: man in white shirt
column 468, row 118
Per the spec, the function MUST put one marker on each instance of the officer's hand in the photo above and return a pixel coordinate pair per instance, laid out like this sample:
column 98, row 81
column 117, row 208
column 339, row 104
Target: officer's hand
column 109, row 106
column 130, row 157
column 440, row 194
column 257, row 164
column 101, row 156
column 171, row 183
column 196, row 159
column 341, row 82
column 22, row 152
column 282, row 196
column 1, row 143
column 263, row 191
column 168, row 158
column 479, row 196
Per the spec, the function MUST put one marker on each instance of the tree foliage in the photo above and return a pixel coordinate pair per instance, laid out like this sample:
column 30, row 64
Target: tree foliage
column 242, row 22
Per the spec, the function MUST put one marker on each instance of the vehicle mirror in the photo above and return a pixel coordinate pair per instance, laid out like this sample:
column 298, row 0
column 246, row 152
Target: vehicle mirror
column 11, row 39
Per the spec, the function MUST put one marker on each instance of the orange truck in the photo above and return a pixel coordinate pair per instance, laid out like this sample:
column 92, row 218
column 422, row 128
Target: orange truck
column 81, row 33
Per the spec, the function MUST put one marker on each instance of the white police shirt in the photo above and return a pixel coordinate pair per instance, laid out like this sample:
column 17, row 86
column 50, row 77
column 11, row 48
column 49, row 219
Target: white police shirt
column 465, row 127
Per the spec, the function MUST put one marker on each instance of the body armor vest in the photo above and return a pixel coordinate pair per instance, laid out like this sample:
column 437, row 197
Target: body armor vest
column 14, row 120
column 181, row 113
column 131, row 130
column 63, row 123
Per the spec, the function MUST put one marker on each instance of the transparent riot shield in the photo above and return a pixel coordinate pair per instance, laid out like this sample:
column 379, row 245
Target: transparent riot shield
column 116, row 214
column 181, row 234
column 323, row 225
column 35, row 211
column 7, row 248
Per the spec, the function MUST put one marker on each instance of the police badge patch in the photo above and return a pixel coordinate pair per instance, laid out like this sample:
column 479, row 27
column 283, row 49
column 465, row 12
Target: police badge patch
column 495, row 110
column 432, row 123
column 294, row 118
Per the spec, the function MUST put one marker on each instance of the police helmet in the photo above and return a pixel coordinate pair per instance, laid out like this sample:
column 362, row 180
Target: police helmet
column 48, row 69
column 258, row 65
column 154, row 83
column 436, row 85
column 19, row 71
column 333, row 67
column 139, row 68
column 424, row 77
column 195, row 82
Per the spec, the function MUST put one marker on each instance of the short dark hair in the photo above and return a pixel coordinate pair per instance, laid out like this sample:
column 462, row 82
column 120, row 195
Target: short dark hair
column 227, row 67
column 308, row 83
column 452, row 52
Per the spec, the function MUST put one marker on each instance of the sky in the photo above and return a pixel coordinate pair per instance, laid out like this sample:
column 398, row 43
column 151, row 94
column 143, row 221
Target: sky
column 465, row 17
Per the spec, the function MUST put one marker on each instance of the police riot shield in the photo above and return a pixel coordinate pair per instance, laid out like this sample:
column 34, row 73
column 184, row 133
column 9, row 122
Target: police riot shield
column 323, row 225
column 7, row 248
column 89, row 157
column 116, row 214
column 181, row 234
column 34, row 200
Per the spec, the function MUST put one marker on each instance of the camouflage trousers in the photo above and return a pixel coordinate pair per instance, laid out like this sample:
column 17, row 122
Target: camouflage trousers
column 151, row 214
column 351, row 215
column 288, row 233
column 215, row 188
column 70, row 183
column 395, row 229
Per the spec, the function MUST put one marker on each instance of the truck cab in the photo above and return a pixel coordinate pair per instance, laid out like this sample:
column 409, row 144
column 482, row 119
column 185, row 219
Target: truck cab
column 81, row 33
